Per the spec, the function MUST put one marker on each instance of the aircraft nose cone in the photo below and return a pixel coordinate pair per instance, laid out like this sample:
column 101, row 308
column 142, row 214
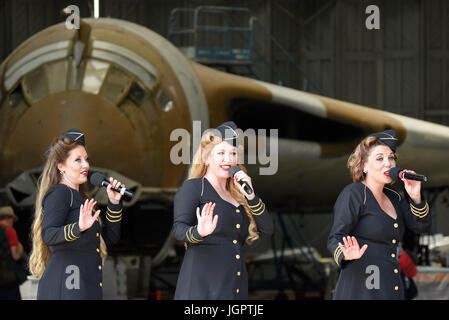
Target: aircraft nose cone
column 111, row 141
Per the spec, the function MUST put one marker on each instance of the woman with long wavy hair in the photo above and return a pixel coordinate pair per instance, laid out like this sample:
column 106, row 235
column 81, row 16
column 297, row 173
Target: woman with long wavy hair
column 69, row 242
column 215, row 216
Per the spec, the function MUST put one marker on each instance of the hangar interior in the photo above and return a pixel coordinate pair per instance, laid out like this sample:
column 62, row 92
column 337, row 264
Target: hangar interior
column 317, row 46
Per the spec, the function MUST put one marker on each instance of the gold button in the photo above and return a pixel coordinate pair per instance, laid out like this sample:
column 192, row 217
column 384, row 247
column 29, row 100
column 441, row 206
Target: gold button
column 98, row 250
column 393, row 241
column 396, row 225
column 238, row 211
column 234, row 241
column 238, row 273
column 396, row 288
column 101, row 284
column 237, row 256
column 393, row 255
column 237, row 226
column 237, row 290
column 97, row 234
column 396, row 271
column 99, row 267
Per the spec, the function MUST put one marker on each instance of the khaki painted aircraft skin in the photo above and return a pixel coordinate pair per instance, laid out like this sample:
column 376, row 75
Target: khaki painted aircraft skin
column 127, row 88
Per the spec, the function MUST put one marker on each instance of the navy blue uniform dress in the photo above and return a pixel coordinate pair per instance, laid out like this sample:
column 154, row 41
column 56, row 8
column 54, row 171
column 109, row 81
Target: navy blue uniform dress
column 213, row 267
column 376, row 275
column 74, row 270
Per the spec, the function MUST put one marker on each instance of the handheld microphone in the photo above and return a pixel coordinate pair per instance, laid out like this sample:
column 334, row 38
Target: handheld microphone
column 99, row 180
column 398, row 173
column 232, row 171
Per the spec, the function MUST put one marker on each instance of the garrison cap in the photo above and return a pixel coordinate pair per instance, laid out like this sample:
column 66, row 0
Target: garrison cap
column 387, row 137
column 228, row 132
column 74, row 135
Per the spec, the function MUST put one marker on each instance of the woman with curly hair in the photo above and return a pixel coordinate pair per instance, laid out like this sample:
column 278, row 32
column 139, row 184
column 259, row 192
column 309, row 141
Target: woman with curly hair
column 369, row 222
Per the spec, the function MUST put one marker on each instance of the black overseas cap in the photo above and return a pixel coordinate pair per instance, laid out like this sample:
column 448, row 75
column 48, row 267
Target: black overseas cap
column 228, row 132
column 73, row 135
column 387, row 137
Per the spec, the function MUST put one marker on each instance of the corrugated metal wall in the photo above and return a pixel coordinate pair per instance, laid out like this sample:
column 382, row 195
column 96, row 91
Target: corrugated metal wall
column 436, row 61
column 379, row 68
column 403, row 67
column 20, row 19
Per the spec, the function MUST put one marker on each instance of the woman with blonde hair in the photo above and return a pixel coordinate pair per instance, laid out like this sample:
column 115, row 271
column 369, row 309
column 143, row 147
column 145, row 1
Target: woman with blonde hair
column 215, row 216
column 69, row 242
column 369, row 222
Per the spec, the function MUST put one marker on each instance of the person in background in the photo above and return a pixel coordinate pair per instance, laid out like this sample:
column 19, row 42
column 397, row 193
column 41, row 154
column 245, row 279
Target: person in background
column 10, row 247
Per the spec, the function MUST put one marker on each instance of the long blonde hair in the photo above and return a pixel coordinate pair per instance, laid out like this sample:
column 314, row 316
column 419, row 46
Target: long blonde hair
column 198, row 170
column 59, row 152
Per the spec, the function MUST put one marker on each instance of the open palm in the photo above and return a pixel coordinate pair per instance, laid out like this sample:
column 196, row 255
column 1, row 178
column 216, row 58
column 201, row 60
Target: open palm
column 86, row 219
column 206, row 221
column 351, row 249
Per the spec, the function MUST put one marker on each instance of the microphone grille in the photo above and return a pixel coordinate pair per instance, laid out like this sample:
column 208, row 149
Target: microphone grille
column 233, row 170
column 96, row 178
column 393, row 173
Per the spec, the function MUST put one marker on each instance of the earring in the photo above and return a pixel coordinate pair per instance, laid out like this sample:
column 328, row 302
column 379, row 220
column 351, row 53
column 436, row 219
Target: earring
column 61, row 172
column 207, row 164
column 365, row 171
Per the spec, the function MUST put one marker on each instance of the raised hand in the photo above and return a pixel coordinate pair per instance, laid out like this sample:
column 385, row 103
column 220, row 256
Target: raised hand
column 351, row 249
column 413, row 188
column 114, row 196
column 206, row 221
column 86, row 219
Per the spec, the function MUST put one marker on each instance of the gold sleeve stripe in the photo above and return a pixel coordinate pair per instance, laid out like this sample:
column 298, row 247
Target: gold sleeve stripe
column 68, row 232
column 260, row 200
column 71, row 232
column 194, row 240
column 426, row 206
column 258, row 207
column 113, row 218
column 420, row 213
column 114, row 212
column 66, row 228
column 187, row 235
column 190, row 237
column 337, row 254
column 111, row 211
column 259, row 211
